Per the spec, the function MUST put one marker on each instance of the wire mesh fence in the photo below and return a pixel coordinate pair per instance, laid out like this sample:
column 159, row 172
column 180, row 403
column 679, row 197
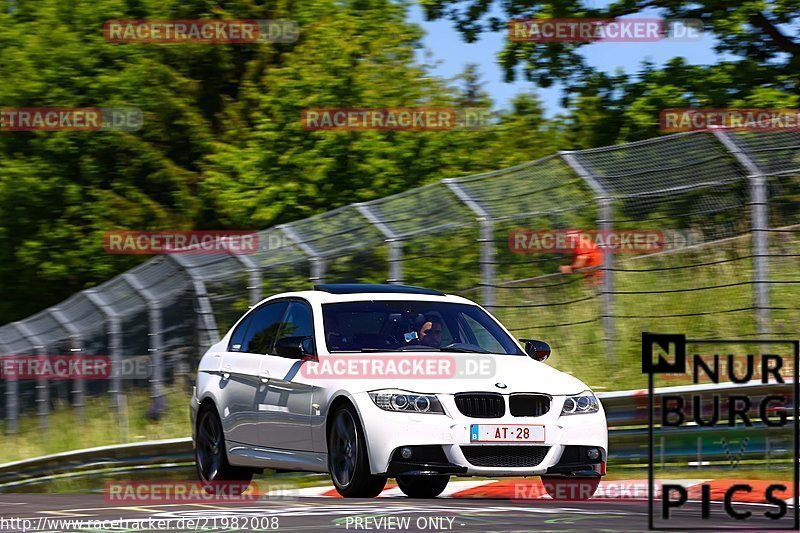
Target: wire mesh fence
column 726, row 205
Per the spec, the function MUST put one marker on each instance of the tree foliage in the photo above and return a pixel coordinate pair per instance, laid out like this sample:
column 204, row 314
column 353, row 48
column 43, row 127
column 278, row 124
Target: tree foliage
column 757, row 39
column 222, row 145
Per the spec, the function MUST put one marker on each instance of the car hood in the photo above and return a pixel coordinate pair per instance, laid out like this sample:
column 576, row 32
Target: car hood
column 463, row 372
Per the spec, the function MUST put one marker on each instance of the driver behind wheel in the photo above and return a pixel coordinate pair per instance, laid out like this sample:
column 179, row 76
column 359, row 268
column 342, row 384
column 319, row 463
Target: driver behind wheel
column 429, row 330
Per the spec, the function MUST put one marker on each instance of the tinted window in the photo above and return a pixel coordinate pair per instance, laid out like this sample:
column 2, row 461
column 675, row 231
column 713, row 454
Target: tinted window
column 239, row 333
column 263, row 330
column 297, row 322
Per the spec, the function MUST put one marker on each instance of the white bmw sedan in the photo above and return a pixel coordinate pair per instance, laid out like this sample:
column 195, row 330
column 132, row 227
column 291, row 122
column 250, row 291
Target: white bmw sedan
column 368, row 382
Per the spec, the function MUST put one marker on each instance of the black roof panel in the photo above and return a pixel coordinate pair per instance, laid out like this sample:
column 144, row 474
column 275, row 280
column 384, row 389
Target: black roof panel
column 355, row 288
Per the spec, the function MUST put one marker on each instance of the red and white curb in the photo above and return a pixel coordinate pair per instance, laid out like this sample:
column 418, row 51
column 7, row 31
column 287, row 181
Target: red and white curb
column 532, row 489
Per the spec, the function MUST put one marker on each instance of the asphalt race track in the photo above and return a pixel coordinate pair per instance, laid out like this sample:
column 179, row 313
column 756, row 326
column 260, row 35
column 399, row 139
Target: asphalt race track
column 57, row 512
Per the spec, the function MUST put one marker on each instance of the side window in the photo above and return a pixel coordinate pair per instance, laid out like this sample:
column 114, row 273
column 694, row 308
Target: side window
column 298, row 321
column 447, row 336
column 261, row 334
column 239, row 333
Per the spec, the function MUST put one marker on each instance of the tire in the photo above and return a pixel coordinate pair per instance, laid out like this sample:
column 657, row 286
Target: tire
column 348, row 459
column 570, row 488
column 422, row 486
column 213, row 469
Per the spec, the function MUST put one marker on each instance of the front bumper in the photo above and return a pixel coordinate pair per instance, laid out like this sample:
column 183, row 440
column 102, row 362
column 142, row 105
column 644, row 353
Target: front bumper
column 423, row 460
column 388, row 432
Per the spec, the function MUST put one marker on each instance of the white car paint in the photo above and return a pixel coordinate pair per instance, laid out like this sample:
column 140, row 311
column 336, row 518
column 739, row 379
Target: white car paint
column 275, row 417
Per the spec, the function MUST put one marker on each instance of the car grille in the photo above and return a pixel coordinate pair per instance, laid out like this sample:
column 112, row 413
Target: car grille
column 528, row 404
column 481, row 405
column 505, row 456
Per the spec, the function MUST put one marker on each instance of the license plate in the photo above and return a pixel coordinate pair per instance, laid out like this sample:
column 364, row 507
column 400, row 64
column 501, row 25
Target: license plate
column 506, row 433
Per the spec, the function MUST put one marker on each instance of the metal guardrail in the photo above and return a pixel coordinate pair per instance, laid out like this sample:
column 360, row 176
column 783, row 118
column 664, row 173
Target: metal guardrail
column 690, row 444
column 98, row 460
column 629, row 408
column 626, row 412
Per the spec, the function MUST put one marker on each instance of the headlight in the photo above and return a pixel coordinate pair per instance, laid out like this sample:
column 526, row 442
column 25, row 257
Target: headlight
column 407, row 402
column 581, row 404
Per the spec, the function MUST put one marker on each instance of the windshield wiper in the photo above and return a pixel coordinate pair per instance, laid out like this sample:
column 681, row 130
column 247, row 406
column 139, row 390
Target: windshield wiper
column 422, row 348
column 409, row 348
column 463, row 349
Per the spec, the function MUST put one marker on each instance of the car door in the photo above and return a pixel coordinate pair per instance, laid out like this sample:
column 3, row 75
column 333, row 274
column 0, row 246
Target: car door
column 242, row 382
column 286, row 413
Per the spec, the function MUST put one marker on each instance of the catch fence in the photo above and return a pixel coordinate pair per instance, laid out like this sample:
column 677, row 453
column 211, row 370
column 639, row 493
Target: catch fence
column 727, row 204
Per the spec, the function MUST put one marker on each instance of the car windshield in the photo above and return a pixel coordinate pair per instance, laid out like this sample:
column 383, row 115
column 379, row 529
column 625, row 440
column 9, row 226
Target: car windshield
column 413, row 325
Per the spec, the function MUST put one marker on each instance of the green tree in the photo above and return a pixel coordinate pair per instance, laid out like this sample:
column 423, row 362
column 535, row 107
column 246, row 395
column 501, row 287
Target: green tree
column 222, row 145
column 763, row 68
column 753, row 30
column 619, row 107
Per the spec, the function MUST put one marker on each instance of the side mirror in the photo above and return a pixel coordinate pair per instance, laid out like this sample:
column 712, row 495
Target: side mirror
column 294, row 347
column 536, row 349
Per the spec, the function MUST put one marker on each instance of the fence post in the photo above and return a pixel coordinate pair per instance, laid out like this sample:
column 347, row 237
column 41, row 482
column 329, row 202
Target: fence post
column 208, row 333
column 487, row 260
column 606, row 225
column 759, row 223
column 206, row 322
column 395, row 261
column 114, row 333
column 12, row 405
column 76, row 349
column 12, row 389
column 115, row 350
column 254, row 280
column 42, row 383
column 155, row 328
column 156, row 348
column 486, row 240
column 316, row 261
column 393, row 240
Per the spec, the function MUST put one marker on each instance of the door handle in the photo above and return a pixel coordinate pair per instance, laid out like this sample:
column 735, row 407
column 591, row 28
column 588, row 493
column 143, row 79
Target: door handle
column 263, row 375
column 226, row 372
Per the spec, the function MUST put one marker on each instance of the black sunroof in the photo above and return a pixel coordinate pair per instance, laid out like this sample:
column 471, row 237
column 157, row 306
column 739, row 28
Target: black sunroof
column 351, row 288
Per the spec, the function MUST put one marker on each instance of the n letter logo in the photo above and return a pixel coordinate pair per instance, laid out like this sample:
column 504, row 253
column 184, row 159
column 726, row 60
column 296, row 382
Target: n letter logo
column 663, row 353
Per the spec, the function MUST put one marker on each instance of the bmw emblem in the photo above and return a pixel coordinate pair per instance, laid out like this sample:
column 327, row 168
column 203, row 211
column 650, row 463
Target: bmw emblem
column 500, row 385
